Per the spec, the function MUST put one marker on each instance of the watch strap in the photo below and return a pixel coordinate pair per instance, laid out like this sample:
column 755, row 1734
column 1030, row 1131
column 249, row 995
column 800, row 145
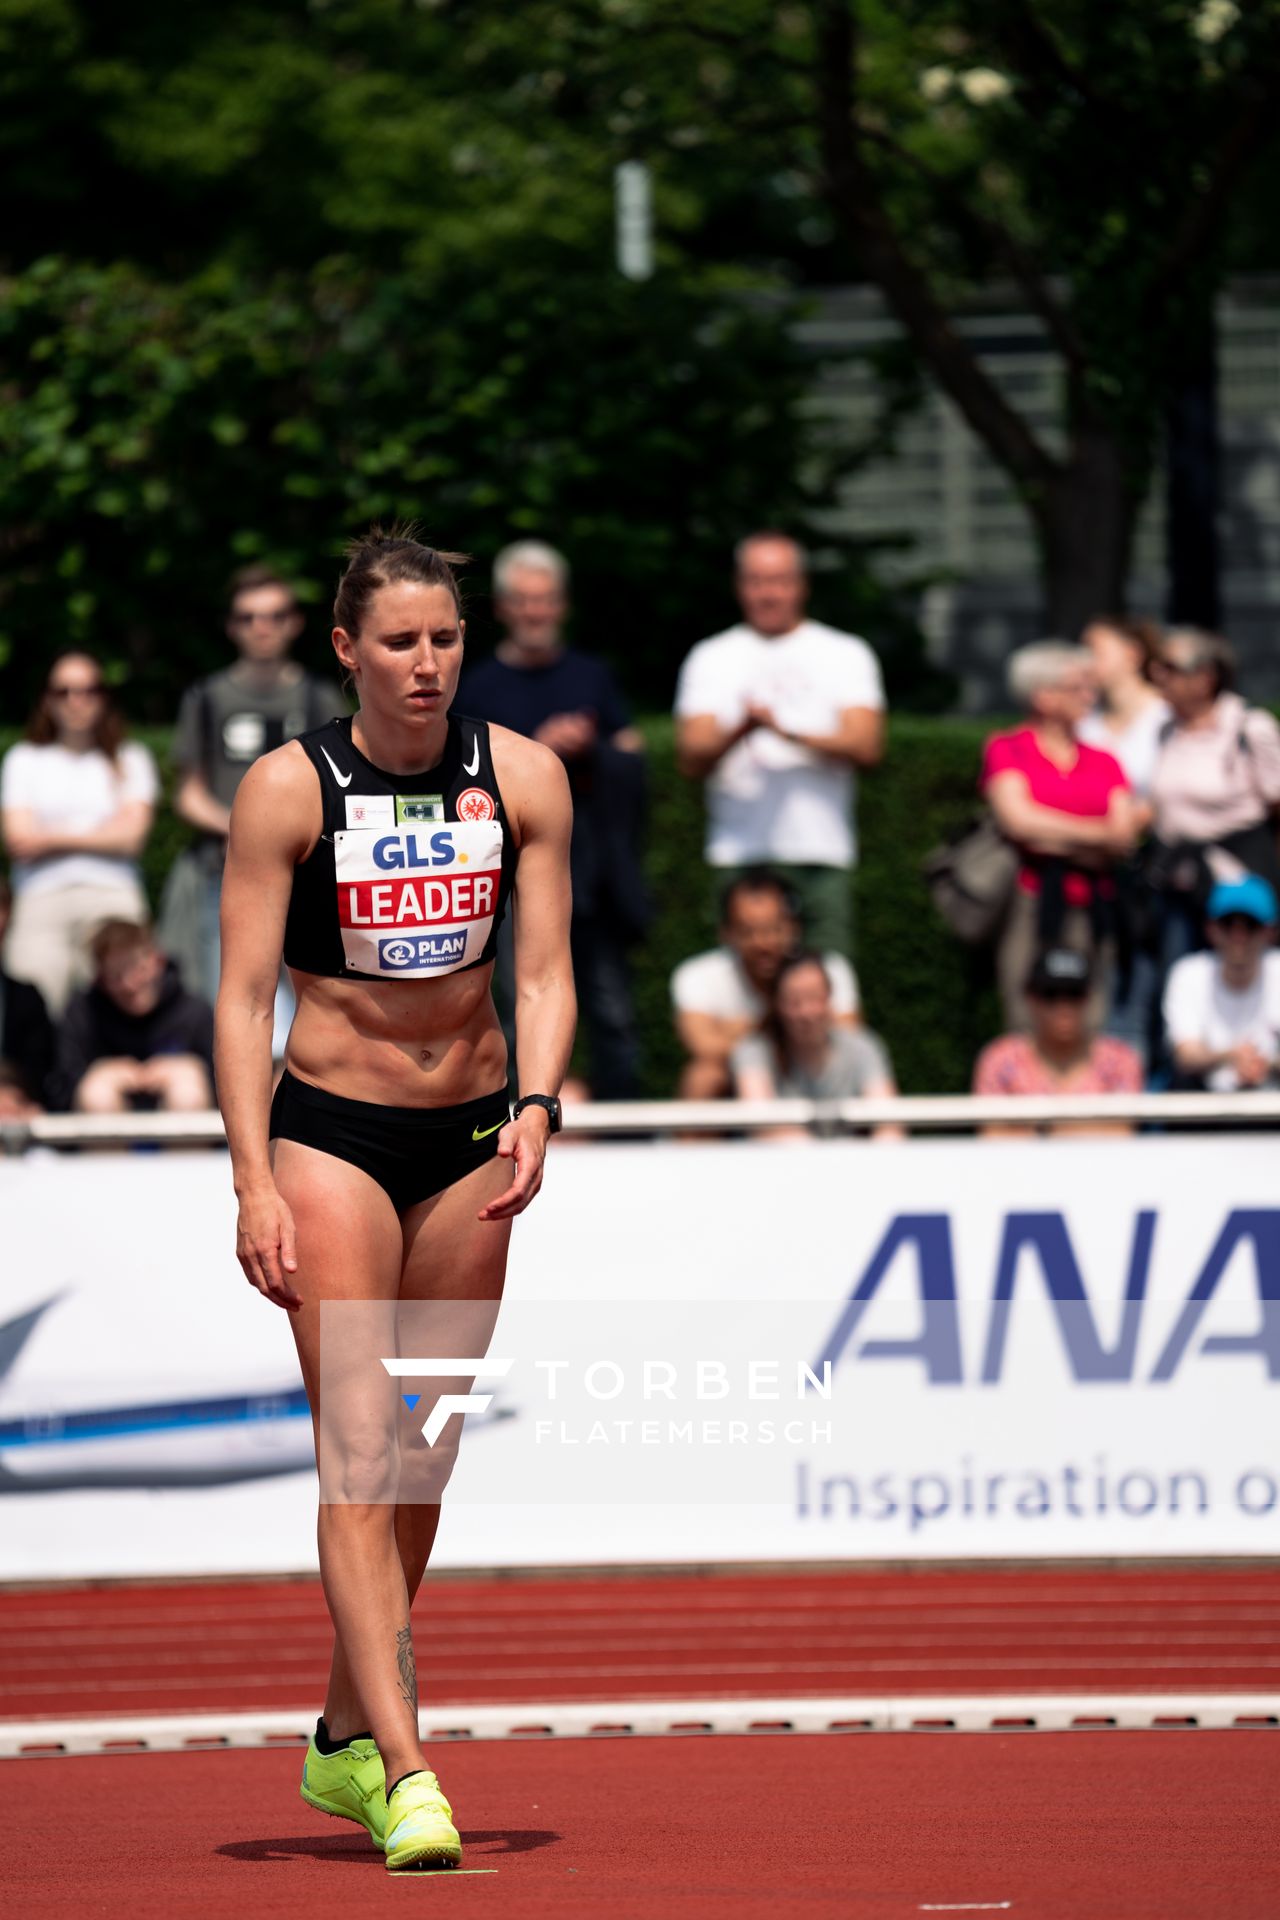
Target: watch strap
column 547, row 1101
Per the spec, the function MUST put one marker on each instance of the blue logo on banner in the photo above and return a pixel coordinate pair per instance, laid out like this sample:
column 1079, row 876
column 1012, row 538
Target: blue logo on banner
column 1043, row 1239
column 423, row 950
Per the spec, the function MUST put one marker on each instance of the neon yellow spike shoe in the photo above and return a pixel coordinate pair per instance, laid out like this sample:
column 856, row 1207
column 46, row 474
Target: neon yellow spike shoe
column 351, row 1785
column 420, row 1829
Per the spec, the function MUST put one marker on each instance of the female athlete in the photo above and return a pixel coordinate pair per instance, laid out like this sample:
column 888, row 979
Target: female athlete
column 378, row 853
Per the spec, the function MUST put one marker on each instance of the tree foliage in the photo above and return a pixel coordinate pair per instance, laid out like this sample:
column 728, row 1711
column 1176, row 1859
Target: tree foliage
column 269, row 270
column 277, row 271
column 1088, row 153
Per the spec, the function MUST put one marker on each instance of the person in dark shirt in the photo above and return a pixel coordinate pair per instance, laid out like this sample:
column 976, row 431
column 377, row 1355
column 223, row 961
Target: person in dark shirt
column 136, row 1038
column 26, row 1031
column 570, row 702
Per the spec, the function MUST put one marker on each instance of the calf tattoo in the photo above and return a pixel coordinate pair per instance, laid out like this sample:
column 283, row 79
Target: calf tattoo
column 408, row 1669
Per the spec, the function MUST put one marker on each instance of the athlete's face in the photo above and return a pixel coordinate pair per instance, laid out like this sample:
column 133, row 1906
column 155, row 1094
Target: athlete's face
column 408, row 654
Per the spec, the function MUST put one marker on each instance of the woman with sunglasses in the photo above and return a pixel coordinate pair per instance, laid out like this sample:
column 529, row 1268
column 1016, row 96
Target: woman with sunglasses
column 76, row 804
column 1215, row 792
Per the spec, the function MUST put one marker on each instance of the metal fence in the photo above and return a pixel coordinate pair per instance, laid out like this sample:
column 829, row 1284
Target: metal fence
column 663, row 1119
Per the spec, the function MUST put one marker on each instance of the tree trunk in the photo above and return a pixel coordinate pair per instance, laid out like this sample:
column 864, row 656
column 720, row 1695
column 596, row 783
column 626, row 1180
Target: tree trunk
column 1191, row 530
column 1086, row 522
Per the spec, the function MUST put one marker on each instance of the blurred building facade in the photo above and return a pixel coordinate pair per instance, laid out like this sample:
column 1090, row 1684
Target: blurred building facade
column 957, row 540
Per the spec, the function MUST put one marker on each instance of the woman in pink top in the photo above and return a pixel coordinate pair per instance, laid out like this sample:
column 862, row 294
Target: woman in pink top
column 1068, row 808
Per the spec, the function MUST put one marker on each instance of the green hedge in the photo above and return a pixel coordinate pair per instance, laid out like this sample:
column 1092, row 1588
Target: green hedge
column 930, row 998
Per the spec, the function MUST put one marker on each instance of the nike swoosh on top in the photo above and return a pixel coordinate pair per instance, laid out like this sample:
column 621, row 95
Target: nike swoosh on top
column 476, row 1134
column 343, row 779
column 473, row 764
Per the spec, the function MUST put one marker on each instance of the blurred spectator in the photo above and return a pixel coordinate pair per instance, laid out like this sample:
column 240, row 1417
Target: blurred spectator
column 1215, row 792
column 136, row 1037
column 803, row 1054
column 1222, row 1008
column 26, row 1031
column 1128, row 722
column 76, row 805
column 1130, row 715
column 1068, row 808
column 15, row 1099
column 1059, row 1054
column 775, row 714
column 225, row 722
column 721, row 996
column 570, row 702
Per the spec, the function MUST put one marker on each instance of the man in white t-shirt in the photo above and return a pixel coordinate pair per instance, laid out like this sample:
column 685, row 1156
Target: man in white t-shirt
column 1222, row 1008
column 775, row 714
column 721, row 997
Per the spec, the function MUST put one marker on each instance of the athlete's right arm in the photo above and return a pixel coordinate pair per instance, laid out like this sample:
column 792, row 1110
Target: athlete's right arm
column 273, row 823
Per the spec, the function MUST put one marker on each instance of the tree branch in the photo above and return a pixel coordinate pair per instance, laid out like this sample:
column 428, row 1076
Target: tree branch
column 1057, row 321
column 1250, row 124
column 851, row 193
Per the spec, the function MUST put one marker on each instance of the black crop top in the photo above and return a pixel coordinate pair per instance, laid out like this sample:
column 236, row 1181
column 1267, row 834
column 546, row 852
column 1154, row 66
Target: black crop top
column 412, row 872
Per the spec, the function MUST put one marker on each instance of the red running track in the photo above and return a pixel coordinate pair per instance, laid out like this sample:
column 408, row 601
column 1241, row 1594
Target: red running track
column 261, row 1645
column 1074, row 1826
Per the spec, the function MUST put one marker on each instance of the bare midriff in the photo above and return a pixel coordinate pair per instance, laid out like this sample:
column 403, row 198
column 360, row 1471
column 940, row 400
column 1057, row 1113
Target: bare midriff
column 411, row 1043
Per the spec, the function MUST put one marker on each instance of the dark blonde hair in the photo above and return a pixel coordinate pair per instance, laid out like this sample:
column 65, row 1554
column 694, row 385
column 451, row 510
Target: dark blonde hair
column 385, row 558
column 108, row 728
column 119, row 936
column 1139, row 630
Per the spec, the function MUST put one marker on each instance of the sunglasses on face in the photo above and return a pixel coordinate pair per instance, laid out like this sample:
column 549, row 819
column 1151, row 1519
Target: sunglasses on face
column 1055, row 994
column 279, row 618
column 1183, row 668
column 1239, row 923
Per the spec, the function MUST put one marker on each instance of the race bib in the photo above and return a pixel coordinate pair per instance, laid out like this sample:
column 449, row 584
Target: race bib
column 417, row 901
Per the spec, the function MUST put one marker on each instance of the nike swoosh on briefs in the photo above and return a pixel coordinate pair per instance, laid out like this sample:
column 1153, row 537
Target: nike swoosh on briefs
column 476, row 1134
column 343, row 779
column 472, row 765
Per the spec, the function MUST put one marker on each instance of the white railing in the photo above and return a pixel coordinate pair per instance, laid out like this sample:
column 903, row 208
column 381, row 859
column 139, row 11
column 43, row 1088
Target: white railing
column 956, row 1113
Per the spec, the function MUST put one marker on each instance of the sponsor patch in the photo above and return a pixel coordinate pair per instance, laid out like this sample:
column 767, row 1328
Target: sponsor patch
column 475, row 804
column 414, row 807
column 370, row 810
column 417, row 900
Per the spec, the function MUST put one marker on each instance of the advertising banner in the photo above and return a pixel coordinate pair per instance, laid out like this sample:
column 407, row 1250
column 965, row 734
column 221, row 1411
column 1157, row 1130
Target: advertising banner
column 749, row 1351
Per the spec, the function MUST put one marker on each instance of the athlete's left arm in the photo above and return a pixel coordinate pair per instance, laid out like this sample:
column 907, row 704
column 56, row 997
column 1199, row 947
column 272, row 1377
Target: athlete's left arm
column 536, row 790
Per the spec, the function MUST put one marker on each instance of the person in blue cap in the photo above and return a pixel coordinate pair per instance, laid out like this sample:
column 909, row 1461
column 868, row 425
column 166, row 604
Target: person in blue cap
column 1222, row 1008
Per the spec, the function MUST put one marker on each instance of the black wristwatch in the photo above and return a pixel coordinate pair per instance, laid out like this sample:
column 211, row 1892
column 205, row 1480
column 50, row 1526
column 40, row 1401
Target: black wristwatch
column 549, row 1104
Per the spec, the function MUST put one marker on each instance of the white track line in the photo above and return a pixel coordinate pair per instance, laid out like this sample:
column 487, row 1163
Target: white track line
column 997, row 1713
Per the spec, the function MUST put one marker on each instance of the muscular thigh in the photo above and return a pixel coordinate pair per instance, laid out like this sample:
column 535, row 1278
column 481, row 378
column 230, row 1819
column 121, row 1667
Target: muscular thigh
column 455, row 1266
column 449, row 1254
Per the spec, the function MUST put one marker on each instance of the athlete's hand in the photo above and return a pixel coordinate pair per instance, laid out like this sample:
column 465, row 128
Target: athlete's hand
column 267, row 1246
column 523, row 1141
